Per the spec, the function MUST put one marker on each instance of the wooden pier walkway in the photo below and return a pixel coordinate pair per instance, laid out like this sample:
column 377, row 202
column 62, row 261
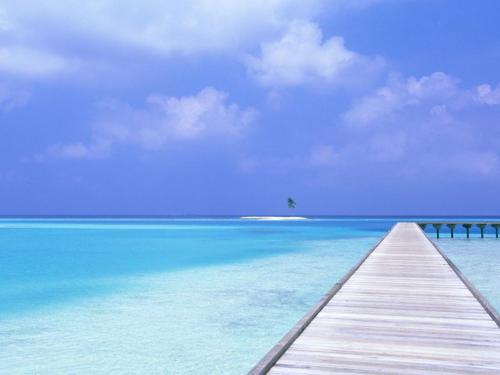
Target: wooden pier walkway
column 404, row 309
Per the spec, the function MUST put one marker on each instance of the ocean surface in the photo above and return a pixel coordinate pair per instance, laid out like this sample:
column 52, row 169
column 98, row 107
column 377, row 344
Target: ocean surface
column 179, row 295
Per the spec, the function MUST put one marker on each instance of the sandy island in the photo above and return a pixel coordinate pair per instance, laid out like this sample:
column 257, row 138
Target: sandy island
column 274, row 218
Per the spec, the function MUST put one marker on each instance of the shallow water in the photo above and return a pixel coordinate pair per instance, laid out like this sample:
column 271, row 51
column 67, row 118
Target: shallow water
column 479, row 261
column 173, row 296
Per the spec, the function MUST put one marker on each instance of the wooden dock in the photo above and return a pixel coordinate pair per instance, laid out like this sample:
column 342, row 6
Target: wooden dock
column 404, row 309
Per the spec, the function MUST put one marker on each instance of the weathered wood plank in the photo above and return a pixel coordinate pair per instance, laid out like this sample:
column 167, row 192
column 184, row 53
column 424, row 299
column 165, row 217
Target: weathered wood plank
column 405, row 309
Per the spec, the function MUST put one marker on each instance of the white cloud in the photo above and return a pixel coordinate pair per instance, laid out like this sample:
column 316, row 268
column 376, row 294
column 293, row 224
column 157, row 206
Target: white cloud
column 409, row 129
column 422, row 126
column 164, row 121
column 161, row 25
column 438, row 93
column 189, row 26
column 301, row 56
column 53, row 35
column 31, row 62
column 401, row 94
column 207, row 112
column 4, row 21
column 487, row 95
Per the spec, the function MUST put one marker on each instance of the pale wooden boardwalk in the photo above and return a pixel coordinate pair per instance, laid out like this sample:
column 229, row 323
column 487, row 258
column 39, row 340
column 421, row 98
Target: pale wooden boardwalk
column 405, row 310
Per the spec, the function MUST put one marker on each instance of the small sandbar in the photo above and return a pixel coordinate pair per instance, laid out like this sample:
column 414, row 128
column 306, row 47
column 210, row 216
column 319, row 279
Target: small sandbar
column 274, row 218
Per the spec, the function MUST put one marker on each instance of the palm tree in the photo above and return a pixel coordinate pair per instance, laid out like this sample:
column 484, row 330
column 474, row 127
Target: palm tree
column 291, row 203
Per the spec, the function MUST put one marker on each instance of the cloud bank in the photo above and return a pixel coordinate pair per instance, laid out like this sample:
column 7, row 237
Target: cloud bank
column 164, row 120
column 425, row 125
column 40, row 39
column 57, row 34
column 300, row 56
column 488, row 95
column 407, row 130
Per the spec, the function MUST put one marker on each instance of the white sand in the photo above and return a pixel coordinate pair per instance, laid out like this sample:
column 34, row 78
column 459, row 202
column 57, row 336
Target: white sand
column 274, row 218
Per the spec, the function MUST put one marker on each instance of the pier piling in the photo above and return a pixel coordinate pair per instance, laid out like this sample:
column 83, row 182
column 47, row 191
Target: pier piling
column 481, row 228
column 467, row 225
column 496, row 226
column 467, row 228
column 452, row 229
column 437, row 227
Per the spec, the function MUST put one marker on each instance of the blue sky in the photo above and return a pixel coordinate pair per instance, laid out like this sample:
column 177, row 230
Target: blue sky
column 225, row 107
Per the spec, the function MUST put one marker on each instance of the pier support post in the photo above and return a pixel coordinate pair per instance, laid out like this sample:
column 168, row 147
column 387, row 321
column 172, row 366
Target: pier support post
column 467, row 228
column 437, row 226
column 422, row 225
column 496, row 226
column 481, row 228
column 452, row 229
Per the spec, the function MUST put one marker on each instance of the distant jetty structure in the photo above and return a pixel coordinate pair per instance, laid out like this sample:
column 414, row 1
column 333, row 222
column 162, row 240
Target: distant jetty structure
column 482, row 225
column 405, row 308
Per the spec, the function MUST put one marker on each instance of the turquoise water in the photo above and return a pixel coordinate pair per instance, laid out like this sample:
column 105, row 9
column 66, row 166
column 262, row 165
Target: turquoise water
column 174, row 296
